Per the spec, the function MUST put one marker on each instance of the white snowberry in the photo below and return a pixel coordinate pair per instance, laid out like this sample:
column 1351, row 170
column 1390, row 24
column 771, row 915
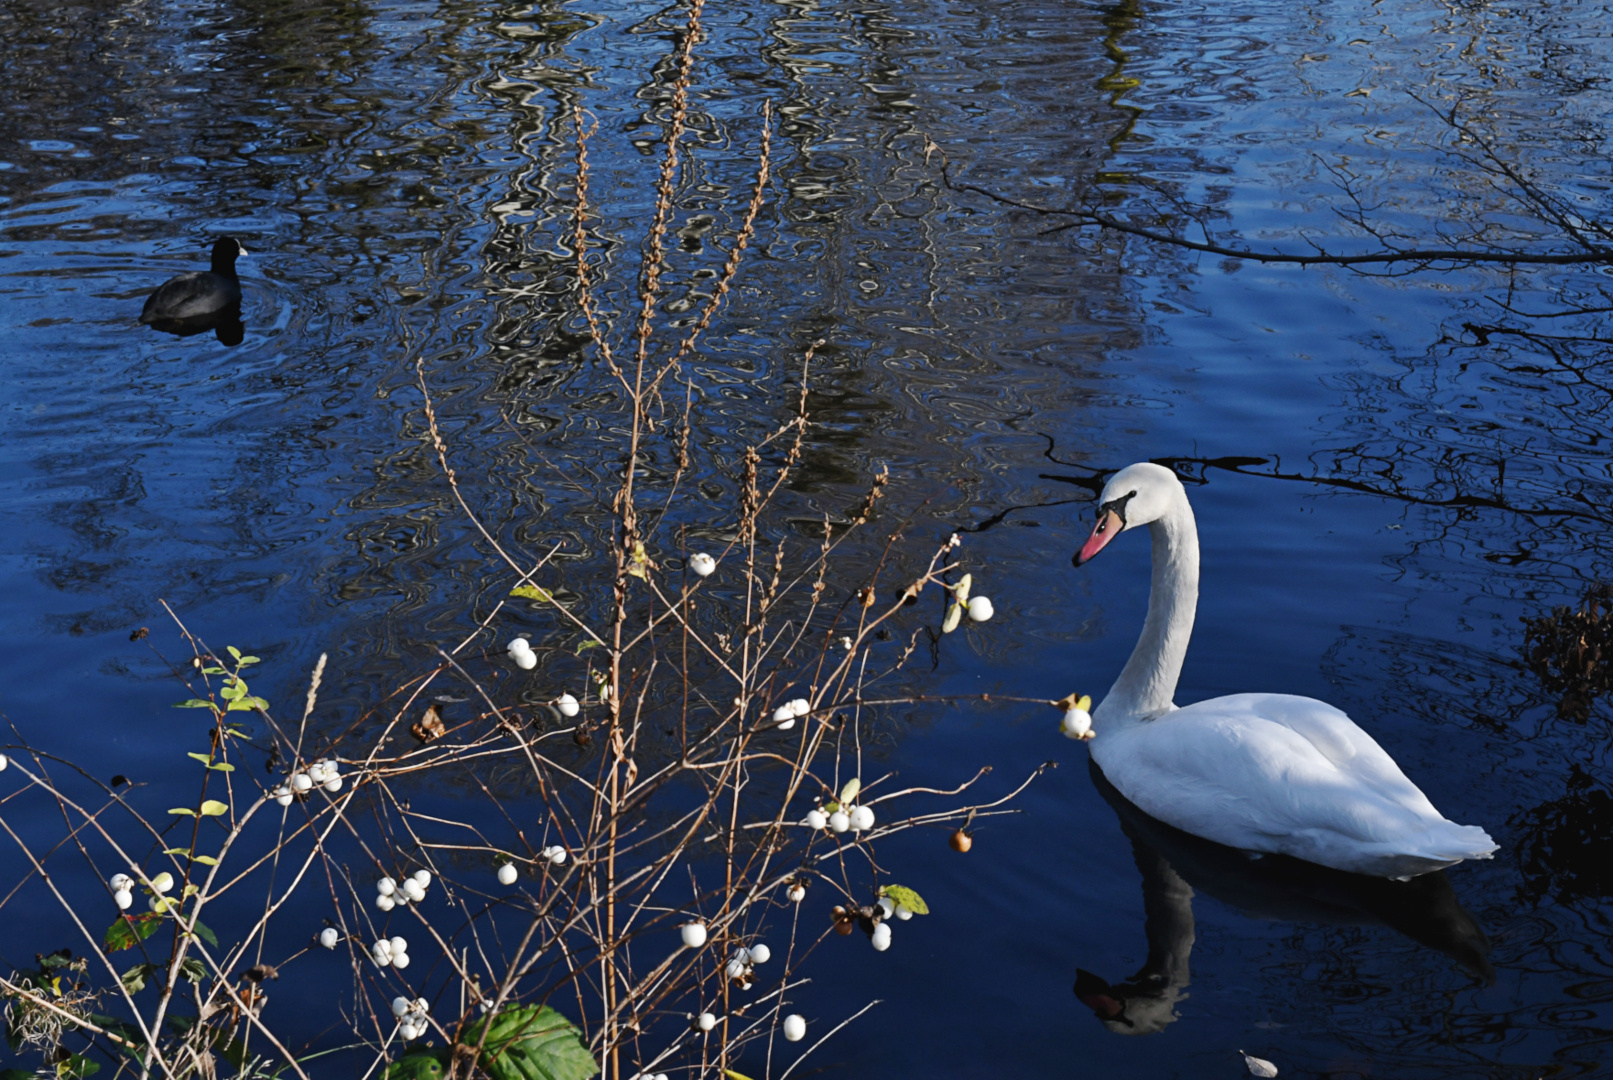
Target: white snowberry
column 760, row 954
column 410, row 888
column 736, row 969
column 385, row 903
column 784, row 717
column 399, row 946
column 794, row 1027
column 705, row 1021
column 980, row 609
column 862, row 817
column 797, row 893
column 302, row 782
column 282, row 795
column 400, row 960
column 332, row 768
column 121, row 882
column 316, row 772
column 702, row 564
column 567, row 705
column 507, row 874
column 799, row 706
column 839, row 821
column 386, row 886
column 903, row 913
column 555, row 854
column 526, row 661
column 694, row 934
column 123, row 898
column 408, row 1032
column 517, row 647
column 4, row 761
column 423, row 877
column 333, row 784
column 817, row 819
column 328, row 937
column 162, row 882
column 1076, row 724
column 887, row 905
column 401, row 1007
column 882, row 936
column 382, row 952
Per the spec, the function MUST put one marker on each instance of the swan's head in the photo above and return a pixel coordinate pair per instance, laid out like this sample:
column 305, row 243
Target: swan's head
column 1136, row 495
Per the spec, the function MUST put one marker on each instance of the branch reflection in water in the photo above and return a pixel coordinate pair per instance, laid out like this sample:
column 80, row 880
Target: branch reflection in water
column 1174, row 865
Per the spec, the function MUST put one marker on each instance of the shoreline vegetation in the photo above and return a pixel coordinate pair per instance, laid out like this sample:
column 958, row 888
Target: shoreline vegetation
column 698, row 807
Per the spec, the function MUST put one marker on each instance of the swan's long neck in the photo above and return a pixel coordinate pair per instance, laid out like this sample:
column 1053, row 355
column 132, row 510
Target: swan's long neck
column 1148, row 682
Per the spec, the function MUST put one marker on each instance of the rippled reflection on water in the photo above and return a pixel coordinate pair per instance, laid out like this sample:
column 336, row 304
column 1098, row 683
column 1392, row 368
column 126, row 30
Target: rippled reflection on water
column 1392, row 470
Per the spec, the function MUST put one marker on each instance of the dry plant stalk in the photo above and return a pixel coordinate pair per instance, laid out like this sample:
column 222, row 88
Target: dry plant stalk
column 704, row 769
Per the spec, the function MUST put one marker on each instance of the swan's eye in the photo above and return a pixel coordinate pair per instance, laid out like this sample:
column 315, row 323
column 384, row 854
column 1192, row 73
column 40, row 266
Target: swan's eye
column 1117, row 507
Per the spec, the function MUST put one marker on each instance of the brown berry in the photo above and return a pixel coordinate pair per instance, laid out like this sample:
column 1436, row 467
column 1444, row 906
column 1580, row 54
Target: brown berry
column 961, row 841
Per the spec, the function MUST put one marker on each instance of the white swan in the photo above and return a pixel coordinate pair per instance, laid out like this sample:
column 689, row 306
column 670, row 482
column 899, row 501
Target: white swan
column 1270, row 773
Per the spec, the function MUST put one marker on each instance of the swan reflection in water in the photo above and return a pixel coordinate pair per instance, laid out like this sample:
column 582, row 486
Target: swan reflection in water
column 1174, row 864
column 226, row 325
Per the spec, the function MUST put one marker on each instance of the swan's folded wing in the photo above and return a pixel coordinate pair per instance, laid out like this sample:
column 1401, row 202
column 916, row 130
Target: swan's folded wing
column 1341, row 741
column 1268, row 772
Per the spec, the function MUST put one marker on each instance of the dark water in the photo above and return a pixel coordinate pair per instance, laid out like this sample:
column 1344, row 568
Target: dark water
column 1383, row 491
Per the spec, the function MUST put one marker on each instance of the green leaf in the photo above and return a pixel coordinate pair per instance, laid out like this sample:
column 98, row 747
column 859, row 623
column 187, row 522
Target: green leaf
column 222, row 766
column 206, row 935
column 585, row 646
column 849, row 792
column 193, row 969
column 77, row 1066
column 732, row 1075
column 525, row 1042
column 232, row 690
column 245, row 660
column 234, row 651
column 187, row 811
column 203, row 758
column 906, row 897
column 176, row 851
column 248, row 703
column 532, row 592
column 214, row 671
column 206, row 860
column 194, row 703
column 134, row 980
column 130, row 930
column 214, row 808
column 414, row 1067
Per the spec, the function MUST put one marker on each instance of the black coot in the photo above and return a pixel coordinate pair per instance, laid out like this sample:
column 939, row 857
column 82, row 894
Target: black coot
column 200, row 296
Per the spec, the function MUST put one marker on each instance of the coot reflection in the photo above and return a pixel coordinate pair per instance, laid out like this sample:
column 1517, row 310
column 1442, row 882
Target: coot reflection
column 1174, row 864
column 226, row 325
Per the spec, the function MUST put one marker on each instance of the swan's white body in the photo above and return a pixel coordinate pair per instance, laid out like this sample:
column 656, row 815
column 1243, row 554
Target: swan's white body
column 1271, row 773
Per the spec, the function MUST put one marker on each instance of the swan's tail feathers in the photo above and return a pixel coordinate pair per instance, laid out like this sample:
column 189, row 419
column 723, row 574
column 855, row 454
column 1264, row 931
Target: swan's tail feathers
column 1457, row 842
column 1446, row 844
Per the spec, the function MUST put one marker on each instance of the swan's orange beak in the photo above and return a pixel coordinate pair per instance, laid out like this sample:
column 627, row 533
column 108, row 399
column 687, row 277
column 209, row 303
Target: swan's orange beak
column 1108, row 527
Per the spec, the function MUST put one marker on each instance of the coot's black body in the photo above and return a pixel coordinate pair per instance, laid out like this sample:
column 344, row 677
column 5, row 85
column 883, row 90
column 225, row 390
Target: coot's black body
column 198, row 298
